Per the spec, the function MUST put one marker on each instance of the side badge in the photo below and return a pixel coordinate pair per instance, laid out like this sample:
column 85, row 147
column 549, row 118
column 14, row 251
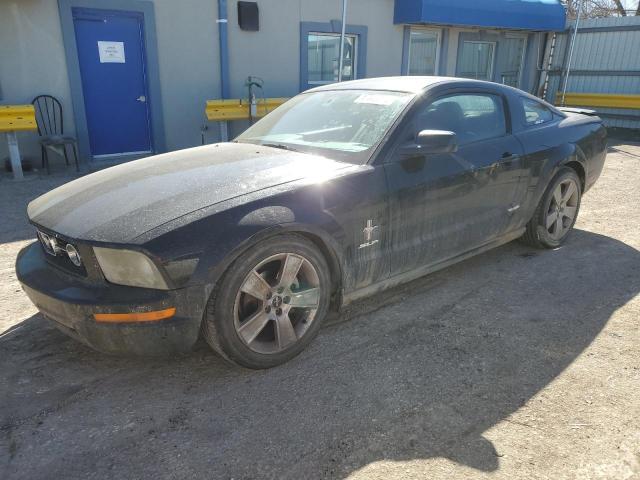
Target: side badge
column 368, row 232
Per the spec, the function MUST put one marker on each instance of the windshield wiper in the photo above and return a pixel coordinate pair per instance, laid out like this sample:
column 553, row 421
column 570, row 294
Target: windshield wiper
column 279, row 145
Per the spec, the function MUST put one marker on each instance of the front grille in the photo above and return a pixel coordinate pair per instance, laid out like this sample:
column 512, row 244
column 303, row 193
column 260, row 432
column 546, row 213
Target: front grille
column 55, row 249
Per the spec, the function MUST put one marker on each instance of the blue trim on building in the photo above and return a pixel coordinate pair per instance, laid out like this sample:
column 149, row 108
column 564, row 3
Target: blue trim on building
column 223, row 35
column 143, row 7
column 334, row 26
column 536, row 15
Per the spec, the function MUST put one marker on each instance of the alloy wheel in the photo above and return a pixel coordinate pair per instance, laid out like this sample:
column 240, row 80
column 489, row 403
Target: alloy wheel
column 276, row 303
column 563, row 209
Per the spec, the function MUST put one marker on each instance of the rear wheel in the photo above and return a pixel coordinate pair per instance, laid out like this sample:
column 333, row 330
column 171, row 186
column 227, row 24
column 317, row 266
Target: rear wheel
column 270, row 304
column 557, row 211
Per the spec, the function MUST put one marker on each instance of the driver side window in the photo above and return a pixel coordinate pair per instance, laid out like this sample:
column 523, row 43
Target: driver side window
column 472, row 117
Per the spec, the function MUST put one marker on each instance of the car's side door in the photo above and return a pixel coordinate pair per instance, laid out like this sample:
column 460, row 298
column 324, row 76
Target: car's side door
column 443, row 205
column 359, row 204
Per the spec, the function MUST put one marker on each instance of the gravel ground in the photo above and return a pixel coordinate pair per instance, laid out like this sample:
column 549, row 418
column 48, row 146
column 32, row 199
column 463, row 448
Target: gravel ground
column 517, row 363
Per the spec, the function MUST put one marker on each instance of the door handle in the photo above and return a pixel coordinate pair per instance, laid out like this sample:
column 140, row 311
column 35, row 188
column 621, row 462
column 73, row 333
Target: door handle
column 141, row 98
column 508, row 156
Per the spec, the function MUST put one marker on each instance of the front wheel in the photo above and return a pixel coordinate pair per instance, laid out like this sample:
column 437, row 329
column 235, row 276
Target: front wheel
column 557, row 211
column 270, row 303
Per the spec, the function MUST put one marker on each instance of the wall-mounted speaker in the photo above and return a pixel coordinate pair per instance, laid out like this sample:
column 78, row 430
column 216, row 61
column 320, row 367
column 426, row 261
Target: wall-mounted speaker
column 248, row 16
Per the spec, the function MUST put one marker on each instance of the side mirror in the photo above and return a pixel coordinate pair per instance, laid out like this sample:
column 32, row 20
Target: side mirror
column 436, row 141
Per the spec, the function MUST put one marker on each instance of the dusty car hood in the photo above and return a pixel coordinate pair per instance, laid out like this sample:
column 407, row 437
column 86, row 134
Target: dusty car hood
column 120, row 203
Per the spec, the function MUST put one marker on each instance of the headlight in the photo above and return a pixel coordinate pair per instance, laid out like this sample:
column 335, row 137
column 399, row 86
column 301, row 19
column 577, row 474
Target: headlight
column 127, row 267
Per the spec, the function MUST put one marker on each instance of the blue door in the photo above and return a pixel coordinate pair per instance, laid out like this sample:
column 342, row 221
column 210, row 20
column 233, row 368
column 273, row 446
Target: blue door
column 112, row 66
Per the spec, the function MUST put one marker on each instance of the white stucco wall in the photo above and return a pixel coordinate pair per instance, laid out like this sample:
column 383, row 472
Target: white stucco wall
column 32, row 62
column 273, row 53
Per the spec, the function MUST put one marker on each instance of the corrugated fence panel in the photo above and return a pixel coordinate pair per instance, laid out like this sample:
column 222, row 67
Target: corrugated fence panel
column 606, row 59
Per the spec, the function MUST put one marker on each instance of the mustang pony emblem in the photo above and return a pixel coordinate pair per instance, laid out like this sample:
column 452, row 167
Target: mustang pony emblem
column 368, row 234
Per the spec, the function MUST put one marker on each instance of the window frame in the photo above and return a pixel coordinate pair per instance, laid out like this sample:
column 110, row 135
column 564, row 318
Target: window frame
column 333, row 27
column 521, row 67
column 406, row 57
column 494, row 45
column 354, row 60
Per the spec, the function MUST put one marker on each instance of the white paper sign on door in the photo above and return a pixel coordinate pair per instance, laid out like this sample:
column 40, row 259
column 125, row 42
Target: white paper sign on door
column 111, row 52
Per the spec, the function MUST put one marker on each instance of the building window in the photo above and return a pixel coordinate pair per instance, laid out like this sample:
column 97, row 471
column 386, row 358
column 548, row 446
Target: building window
column 512, row 49
column 323, row 54
column 423, row 52
column 320, row 52
column 476, row 60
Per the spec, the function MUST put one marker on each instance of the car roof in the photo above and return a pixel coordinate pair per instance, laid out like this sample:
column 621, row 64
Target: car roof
column 410, row 84
column 417, row 84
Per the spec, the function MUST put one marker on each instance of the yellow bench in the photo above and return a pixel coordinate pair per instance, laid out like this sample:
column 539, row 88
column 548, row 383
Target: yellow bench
column 238, row 109
column 16, row 118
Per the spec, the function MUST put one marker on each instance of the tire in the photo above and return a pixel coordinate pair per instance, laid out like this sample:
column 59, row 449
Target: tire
column 253, row 319
column 561, row 201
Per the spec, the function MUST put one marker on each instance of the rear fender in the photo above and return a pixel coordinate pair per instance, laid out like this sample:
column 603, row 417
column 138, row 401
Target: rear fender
column 567, row 154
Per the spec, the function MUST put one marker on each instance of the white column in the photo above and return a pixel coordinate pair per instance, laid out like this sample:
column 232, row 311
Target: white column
column 224, row 131
column 14, row 154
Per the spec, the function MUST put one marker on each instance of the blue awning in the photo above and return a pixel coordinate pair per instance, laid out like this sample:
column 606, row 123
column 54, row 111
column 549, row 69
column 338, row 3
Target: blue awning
column 536, row 15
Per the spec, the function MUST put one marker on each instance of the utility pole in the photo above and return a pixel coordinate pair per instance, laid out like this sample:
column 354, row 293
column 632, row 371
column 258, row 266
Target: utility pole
column 573, row 43
column 344, row 24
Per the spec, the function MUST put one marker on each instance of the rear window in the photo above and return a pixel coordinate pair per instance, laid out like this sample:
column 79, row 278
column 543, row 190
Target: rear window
column 536, row 113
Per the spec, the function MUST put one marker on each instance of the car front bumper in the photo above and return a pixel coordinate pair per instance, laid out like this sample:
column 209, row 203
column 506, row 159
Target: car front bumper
column 70, row 301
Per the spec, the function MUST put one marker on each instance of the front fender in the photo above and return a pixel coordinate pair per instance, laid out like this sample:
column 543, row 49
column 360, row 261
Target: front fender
column 218, row 258
column 221, row 237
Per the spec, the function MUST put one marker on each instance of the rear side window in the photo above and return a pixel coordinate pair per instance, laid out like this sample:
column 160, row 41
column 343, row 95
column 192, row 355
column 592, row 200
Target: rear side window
column 535, row 113
column 472, row 117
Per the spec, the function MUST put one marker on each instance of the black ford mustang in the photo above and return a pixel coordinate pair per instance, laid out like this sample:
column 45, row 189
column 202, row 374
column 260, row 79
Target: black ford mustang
column 342, row 191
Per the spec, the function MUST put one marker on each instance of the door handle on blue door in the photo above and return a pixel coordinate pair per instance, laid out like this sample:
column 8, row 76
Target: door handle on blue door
column 508, row 156
column 141, row 98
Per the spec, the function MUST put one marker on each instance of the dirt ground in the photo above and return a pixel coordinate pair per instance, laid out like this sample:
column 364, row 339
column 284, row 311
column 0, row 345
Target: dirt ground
column 517, row 363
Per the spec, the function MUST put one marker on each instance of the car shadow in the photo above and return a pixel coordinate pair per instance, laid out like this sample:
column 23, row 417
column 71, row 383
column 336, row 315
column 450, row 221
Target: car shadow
column 417, row 372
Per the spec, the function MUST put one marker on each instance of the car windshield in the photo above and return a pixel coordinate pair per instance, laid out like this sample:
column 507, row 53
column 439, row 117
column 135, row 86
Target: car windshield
column 340, row 124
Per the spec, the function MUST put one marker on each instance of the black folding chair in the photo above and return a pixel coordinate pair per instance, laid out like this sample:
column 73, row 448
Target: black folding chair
column 51, row 129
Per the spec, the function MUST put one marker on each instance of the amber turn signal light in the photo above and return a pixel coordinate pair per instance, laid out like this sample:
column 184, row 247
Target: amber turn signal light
column 135, row 316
